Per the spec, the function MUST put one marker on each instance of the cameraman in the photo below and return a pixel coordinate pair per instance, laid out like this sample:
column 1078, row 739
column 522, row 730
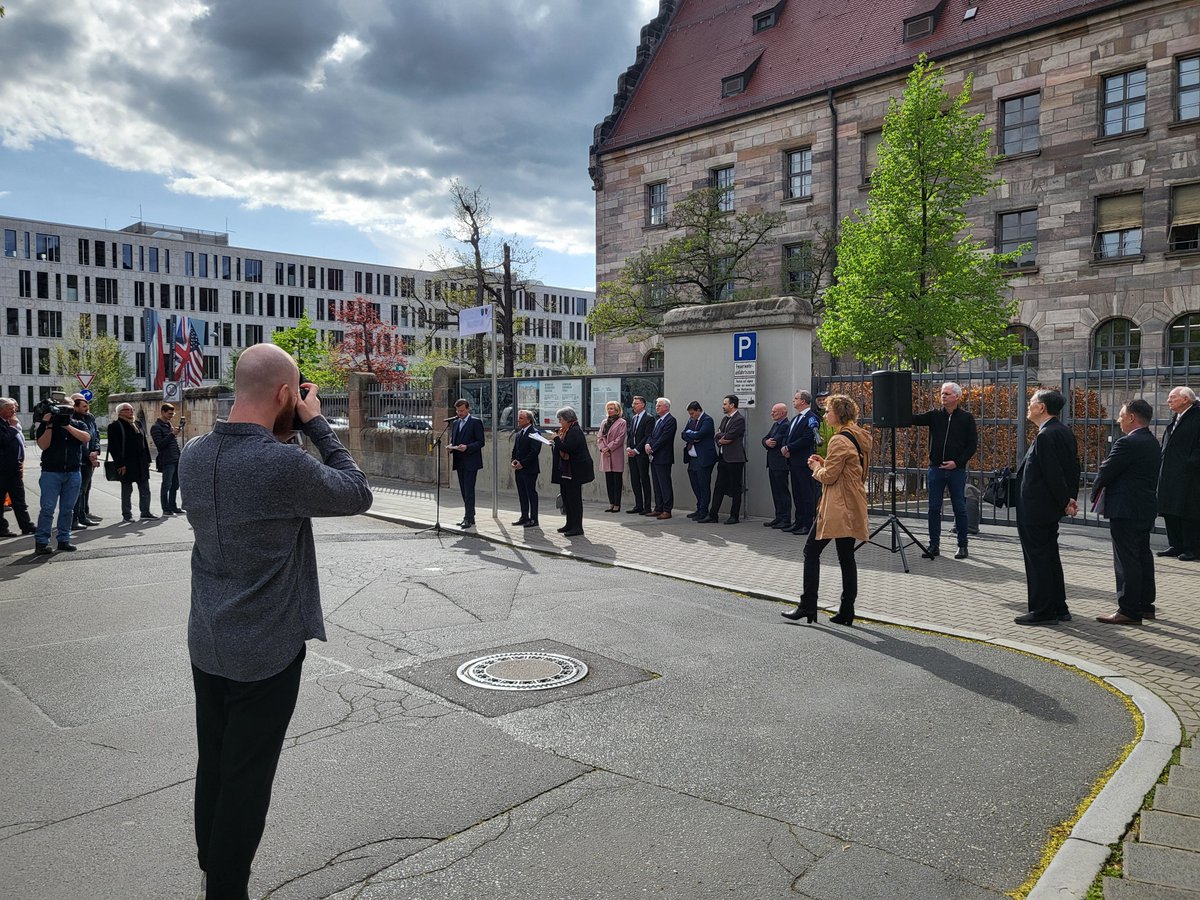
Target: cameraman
column 59, row 435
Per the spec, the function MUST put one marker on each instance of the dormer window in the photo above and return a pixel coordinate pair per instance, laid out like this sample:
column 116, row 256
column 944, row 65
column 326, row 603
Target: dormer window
column 921, row 26
column 732, row 85
column 769, row 17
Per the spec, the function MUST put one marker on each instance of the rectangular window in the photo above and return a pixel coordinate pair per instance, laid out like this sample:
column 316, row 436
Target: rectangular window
column 227, row 334
column 226, row 269
column 1019, row 130
column 73, row 288
column 237, row 302
column 100, row 253
column 139, row 365
column 203, row 265
column 254, row 334
column 101, row 324
column 1118, row 227
column 254, row 273
column 85, row 325
column 212, row 367
column 270, row 304
column 1185, row 218
column 291, row 274
column 127, row 324
column 295, row 306
column 1124, row 103
column 725, row 278
column 335, row 280
column 387, row 285
column 722, row 179
column 164, row 296
column 358, row 288
column 24, row 284
column 141, row 258
column 49, row 324
column 153, row 259
column 1015, row 229
column 13, row 319
column 106, row 291
column 798, row 268
column 189, row 263
column 208, row 300
column 179, row 296
column 656, row 204
column 139, row 293
column 312, row 278
column 870, row 150
column 279, row 273
column 85, row 252
column 26, row 360
column 1187, row 89
column 10, row 242
column 48, row 248
column 43, row 360
column 799, row 173
column 127, row 257
column 43, row 285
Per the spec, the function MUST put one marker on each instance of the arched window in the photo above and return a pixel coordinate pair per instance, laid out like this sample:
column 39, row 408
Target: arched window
column 1117, row 344
column 1027, row 359
column 1183, row 340
column 653, row 360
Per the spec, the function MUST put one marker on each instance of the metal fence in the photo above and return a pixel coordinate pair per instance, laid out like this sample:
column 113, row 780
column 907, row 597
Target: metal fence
column 406, row 409
column 997, row 396
column 336, row 408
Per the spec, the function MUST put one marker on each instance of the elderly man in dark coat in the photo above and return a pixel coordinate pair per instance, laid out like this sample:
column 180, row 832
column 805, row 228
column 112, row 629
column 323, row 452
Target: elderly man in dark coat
column 1179, row 476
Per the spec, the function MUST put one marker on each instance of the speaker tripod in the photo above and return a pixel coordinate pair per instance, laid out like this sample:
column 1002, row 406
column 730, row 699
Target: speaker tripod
column 892, row 522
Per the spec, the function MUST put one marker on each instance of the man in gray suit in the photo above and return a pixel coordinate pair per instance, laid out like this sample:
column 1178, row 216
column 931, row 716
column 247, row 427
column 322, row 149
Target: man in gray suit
column 731, row 462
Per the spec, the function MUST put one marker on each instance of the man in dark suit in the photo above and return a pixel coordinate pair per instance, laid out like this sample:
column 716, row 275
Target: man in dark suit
column 1179, row 477
column 525, row 468
column 660, row 447
column 1124, row 492
column 777, row 468
column 700, row 454
column 466, row 456
column 639, row 463
column 731, row 462
column 800, row 445
column 1047, row 482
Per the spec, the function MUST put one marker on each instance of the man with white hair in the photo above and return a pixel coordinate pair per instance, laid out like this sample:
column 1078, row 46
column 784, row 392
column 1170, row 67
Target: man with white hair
column 953, row 438
column 1179, row 476
column 251, row 495
column 660, row 447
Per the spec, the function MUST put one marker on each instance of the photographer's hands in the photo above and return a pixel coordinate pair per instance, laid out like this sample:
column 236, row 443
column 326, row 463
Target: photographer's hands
column 308, row 407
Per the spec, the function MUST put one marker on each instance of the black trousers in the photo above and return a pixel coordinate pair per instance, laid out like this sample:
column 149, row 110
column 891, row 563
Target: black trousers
column 14, row 487
column 803, row 495
column 572, row 498
column 85, row 489
column 729, row 484
column 527, row 494
column 1044, row 582
column 613, row 481
column 812, row 572
column 466, row 487
column 1183, row 534
column 779, row 479
column 664, row 491
column 639, row 480
column 1133, row 562
column 240, row 726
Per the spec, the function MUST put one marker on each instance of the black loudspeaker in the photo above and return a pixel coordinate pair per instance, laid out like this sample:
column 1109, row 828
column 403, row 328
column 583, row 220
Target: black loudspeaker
column 891, row 394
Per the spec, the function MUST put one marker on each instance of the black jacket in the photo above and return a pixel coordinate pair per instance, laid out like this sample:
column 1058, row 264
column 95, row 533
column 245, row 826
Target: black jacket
column 10, row 450
column 1048, row 476
column 525, row 451
column 636, row 437
column 128, row 448
column 163, row 435
column 1128, row 477
column 951, row 437
column 775, row 459
column 1179, row 477
column 578, row 463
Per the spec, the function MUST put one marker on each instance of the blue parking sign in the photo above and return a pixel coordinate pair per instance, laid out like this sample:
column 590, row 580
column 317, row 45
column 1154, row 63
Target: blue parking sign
column 745, row 346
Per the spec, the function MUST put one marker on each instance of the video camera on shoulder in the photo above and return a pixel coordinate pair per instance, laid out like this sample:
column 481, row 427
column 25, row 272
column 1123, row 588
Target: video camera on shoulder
column 61, row 412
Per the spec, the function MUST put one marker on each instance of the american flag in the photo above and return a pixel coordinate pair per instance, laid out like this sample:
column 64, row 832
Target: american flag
column 189, row 351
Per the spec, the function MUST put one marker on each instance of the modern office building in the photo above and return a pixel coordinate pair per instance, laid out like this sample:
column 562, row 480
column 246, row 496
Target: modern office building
column 1094, row 106
column 57, row 280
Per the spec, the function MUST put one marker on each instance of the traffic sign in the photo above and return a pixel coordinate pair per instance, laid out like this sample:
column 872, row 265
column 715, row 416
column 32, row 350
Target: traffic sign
column 745, row 346
column 87, row 395
column 85, row 379
column 171, row 391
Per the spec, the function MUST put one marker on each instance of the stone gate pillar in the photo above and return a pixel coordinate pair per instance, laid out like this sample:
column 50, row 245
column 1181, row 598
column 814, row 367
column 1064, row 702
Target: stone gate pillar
column 698, row 343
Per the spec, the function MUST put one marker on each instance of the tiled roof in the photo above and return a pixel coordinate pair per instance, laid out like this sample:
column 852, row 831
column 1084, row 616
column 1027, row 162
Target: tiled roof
column 815, row 45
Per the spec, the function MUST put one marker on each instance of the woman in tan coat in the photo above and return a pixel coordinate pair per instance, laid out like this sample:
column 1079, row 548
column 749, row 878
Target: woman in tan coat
column 842, row 514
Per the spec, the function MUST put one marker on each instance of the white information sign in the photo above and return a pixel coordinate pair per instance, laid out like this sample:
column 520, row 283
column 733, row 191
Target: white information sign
column 477, row 320
column 603, row 390
column 745, row 381
column 557, row 393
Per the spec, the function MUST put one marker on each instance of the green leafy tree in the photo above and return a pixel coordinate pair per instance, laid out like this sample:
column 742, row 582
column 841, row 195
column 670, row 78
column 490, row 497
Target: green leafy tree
column 311, row 353
column 713, row 259
column 912, row 285
column 103, row 357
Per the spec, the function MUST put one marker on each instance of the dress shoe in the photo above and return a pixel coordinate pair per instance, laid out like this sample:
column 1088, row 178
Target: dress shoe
column 562, row 530
column 80, row 523
column 43, row 550
column 931, row 553
column 1187, row 557
column 708, row 519
column 521, row 521
column 532, row 523
column 574, row 532
column 126, row 518
column 961, row 554
column 1150, row 614
column 66, row 547
column 797, row 614
column 96, row 520
column 148, row 516
column 1065, row 617
column 842, row 619
column 783, row 526
column 799, row 529
column 1170, row 551
column 1031, row 619
column 636, row 511
column 664, row 515
column 772, row 524
column 1118, row 618
column 468, row 524
column 693, row 515
column 7, row 533
column 732, row 520
column 28, row 529
column 652, row 513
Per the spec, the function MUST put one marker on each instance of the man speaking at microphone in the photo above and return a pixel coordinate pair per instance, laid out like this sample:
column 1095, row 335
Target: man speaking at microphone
column 466, row 456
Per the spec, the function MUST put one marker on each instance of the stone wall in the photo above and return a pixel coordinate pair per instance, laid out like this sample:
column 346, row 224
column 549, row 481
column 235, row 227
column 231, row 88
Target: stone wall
column 200, row 407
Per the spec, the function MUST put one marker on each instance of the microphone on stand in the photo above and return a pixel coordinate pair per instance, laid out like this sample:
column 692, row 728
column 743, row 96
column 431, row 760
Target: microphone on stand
column 451, row 419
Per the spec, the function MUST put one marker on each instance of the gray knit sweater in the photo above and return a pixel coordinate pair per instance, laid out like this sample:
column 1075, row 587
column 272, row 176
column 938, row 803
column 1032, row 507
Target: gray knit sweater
column 250, row 499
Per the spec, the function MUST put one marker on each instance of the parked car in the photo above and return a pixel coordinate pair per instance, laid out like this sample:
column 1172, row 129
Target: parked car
column 401, row 422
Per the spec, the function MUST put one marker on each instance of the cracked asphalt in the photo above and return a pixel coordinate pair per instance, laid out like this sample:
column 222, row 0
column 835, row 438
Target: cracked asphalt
column 714, row 751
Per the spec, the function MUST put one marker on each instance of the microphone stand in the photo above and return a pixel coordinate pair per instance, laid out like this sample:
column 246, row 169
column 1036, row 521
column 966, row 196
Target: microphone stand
column 436, row 527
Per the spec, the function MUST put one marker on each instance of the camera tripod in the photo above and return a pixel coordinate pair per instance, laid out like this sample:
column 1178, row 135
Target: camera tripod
column 897, row 544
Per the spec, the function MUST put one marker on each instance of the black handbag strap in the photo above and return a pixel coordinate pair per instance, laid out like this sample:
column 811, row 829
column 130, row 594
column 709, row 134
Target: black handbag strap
column 862, row 462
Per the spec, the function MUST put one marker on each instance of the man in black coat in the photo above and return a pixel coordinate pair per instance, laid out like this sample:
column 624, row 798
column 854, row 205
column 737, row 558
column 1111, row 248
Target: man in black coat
column 526, row 468
column 731, row 462
column 1124, row 491
column 777, row 468
column 801, row 444
column 660, row 447
column 466, row 453
column 1047, row 482
column 1179, row 476
column 953, row 437
column 639, row 462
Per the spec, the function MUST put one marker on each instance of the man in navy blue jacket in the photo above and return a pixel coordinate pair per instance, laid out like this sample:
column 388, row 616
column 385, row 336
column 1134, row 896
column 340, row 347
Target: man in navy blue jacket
column 700, row 453
column 777, row 468
column 466, row 455
column 1127, row 487
column 660, row 447
column 801, row 443
column 526, row 468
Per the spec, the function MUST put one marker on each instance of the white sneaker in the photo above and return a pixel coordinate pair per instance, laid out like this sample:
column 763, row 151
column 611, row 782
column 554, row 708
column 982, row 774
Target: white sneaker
column 203, row 886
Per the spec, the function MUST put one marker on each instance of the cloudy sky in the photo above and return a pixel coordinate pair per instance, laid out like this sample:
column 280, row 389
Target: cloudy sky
column 329, row 127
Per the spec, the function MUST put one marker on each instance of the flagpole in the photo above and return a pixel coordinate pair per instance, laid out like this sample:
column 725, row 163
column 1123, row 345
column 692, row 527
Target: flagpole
column 495, row 420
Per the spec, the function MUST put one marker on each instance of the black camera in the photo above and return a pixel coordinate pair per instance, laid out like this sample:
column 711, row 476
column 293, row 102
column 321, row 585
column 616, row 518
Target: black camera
column 296, row 423
column 61, row 412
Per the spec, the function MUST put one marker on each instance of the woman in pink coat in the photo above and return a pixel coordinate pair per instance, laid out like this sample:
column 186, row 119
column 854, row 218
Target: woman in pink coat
column 611, row 443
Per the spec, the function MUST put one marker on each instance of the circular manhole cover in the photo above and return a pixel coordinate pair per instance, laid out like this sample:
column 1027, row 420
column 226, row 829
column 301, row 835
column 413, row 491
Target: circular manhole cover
column 532, row 670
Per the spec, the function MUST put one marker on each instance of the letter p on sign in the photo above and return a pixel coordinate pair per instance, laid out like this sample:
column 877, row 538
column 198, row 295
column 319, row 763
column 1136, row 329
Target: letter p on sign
column 745, row 346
